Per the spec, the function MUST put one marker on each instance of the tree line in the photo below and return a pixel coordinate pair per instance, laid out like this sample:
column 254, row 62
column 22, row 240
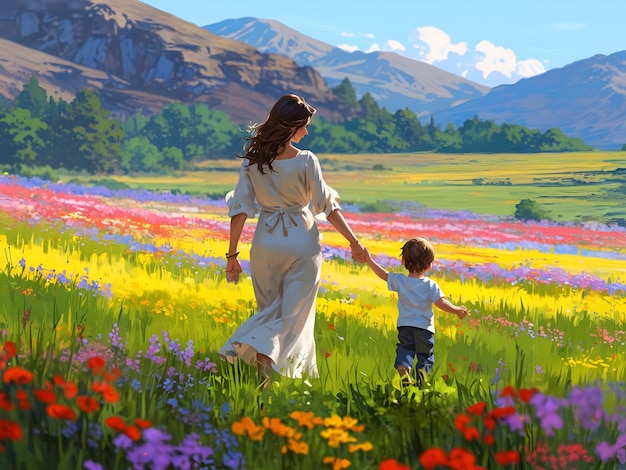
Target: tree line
column 37, row 130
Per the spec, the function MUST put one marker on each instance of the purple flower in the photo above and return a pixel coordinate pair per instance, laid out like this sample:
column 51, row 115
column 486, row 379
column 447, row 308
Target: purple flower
column 546, row 409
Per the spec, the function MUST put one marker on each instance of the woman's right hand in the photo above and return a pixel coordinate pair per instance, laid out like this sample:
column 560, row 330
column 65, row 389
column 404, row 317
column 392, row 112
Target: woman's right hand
column 233, row 270
column 358, row 252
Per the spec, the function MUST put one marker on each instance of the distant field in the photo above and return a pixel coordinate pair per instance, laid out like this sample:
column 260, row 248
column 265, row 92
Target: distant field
column 570, row 186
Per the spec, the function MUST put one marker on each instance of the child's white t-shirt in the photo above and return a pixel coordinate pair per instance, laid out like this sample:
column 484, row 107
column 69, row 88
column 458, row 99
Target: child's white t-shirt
column 416, row 296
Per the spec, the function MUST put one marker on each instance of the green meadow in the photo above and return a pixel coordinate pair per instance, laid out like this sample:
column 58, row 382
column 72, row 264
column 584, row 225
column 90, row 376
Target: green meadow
column 585, row 186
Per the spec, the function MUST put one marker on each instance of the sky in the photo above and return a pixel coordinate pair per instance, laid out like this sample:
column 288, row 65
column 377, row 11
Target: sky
column 491, row 42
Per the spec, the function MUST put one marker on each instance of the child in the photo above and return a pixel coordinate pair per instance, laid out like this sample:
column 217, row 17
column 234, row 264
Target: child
column 416, row 295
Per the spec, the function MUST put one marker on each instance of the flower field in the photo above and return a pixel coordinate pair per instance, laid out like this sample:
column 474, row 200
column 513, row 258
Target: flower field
column 113, row 305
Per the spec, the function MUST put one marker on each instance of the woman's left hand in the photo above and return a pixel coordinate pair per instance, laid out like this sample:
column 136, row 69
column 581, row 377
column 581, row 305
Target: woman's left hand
column 233, row 270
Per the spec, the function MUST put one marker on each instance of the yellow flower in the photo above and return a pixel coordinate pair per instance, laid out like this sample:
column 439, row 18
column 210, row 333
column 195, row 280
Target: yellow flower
column 336, row 437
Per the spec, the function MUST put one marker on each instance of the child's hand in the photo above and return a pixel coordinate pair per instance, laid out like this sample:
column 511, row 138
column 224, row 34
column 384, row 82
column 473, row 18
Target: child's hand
column 462, row 313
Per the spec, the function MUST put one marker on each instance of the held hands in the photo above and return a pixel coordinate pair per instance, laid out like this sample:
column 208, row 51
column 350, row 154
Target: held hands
column 233, row 270
column 358, row 252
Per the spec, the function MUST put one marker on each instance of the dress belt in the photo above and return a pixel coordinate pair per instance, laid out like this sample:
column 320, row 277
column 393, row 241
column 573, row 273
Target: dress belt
column 281, row 216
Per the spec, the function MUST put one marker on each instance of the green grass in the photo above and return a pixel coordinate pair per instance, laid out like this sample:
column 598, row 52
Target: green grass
column 570, row 186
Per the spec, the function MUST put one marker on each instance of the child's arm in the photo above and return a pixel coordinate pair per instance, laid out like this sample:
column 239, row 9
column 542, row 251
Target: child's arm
column 377, row 268
column 448, row 307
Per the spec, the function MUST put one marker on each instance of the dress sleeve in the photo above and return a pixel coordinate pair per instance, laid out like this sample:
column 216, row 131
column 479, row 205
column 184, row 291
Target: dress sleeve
column 324, row 199
column 241, row 199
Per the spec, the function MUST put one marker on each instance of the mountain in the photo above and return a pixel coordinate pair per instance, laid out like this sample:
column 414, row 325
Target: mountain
column 585, row 99
column 395, row 82
column 136, row 56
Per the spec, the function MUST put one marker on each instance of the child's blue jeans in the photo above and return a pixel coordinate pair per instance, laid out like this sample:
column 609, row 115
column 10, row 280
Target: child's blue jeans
column 415, row 343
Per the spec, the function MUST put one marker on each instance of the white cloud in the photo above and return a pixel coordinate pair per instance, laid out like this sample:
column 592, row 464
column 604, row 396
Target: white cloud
column 373, row 48
column 348, row 47
column 435, row 45
column 369, row 35
column 495, row 59
column 529, row 68
column 394, row 46
column 347, row 35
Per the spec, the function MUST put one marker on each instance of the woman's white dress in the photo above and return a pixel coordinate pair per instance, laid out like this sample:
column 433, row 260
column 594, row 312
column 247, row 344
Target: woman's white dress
column 285, row 261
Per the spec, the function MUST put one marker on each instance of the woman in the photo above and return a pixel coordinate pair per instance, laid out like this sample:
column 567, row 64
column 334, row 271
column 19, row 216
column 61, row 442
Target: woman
column 285, row 255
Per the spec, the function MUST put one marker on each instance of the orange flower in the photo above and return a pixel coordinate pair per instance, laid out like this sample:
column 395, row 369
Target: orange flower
column 393, row 464
column 298, row 447
column 336, row 462
column 246, row 426
column 58, row 411
column 306, row 419
column 10, row 430
column 116, row 423
column 109, row 394
column 86, row 404
column 433, row 458
column 364, row 446
column 142, row 423
column 17, row 375
column 95, row 363
column 507, row 457
column 44, row 396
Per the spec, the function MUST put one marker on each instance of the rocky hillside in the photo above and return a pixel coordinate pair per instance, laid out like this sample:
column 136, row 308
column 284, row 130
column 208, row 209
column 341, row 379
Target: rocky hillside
column 394, row 81
column 134, row 56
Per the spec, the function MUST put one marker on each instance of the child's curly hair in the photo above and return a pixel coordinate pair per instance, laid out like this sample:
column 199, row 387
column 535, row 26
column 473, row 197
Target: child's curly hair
column 418, row 253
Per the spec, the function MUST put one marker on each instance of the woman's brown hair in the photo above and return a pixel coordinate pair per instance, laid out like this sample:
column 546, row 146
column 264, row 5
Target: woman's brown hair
column 268, row 140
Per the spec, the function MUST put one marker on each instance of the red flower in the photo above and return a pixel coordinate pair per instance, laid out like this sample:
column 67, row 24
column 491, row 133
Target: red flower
column 328, row 354
column 5, row 403
column 132, row 432
column 499, row 413
column 142, row 423
column 477, row 409
column 106, row 390
column 508, row 391
column 471, row 434
column 461, row 421
column 525, row 394
column 392, row 464
column 44, row 396
column 10, row 430
column 433, row 458
column 507, row 457
column 95, row 363
column 116, row 423
column 331, row 326
column 489, row 439
column 57, row 411
column 87, row 404
column 10, row 349
column 17, row 375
